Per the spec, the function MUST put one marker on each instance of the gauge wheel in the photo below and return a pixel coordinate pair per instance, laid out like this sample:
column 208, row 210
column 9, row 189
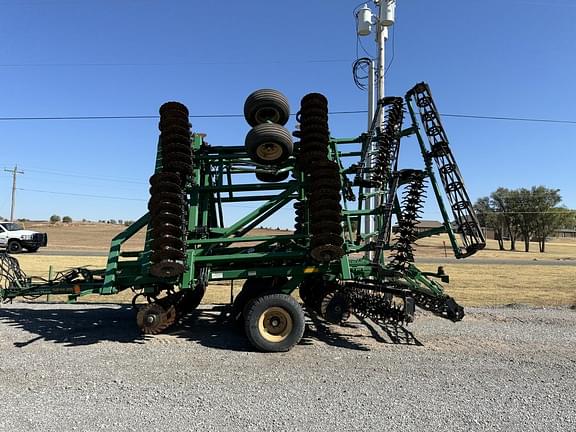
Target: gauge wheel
column 266, row 105
column 274, row 322
column 269, row 144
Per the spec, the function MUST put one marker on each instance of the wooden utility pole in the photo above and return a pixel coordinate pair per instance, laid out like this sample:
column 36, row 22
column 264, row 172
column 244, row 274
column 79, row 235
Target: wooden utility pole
column 14, row 172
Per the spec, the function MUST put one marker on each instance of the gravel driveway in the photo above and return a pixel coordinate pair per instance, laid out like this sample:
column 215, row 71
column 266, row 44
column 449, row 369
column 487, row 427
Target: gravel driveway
column 85, row 367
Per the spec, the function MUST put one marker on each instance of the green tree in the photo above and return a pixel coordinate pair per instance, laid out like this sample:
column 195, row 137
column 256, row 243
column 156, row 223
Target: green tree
column 503, row 202
column 549, row 215
column 488, row 217
column 54, row 219
column 494, row 212
column 67, row 219
column 522, row 210
column 532, row 214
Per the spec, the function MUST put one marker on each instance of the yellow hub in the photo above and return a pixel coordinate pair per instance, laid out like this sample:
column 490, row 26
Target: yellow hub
column 269, row 151
column 275, row 324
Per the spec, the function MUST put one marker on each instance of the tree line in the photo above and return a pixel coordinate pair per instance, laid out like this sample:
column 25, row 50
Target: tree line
column 524, row 215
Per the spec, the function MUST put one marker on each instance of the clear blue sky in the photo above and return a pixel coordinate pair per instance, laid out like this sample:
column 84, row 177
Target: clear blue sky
column 126, row 57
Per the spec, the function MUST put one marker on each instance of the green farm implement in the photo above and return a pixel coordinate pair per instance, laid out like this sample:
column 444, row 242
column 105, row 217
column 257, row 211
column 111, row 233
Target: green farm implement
column 332, row 186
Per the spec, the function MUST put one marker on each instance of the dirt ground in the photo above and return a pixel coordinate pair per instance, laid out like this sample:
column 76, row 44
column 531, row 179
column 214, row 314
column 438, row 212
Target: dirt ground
column 86, row 368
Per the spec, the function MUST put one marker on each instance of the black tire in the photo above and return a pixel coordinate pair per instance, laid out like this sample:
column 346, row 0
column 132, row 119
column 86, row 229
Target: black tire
column 33, row 249
column 269, row 144
column 272, row 178
column 274, row 322
column 14, row 247
column 266, row 105
column 191, row 298
column 252, row 288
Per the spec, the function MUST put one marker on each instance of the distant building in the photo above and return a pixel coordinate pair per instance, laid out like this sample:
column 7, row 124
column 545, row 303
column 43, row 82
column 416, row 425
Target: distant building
column 565, row 233
column 560, row 233
column 423, row 225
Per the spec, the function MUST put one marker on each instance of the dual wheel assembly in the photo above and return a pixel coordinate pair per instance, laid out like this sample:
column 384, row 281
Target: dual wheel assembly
column 268, row 143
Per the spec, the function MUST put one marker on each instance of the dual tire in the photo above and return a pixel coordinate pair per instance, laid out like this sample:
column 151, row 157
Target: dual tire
column 268, row 142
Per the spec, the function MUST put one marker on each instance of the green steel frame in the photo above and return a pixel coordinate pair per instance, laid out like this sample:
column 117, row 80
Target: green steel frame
column 229, row 252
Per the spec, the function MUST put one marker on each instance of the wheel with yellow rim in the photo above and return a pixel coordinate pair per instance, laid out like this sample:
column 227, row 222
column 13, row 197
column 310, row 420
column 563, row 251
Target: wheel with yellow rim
column 269, row 144
column 274, row 322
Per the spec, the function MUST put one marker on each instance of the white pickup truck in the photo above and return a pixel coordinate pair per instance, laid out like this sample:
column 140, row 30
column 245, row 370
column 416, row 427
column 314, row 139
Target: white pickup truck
column 15, row 238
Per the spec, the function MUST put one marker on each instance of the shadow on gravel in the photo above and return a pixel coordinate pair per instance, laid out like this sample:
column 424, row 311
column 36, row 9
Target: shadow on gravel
column 208, row 327
column 397, row 335
column 212, row 328
column 321, row 331
column 351, row 335
column 74, row 327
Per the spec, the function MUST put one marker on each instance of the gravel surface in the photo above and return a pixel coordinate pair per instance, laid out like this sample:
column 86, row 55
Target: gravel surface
column 85, row 367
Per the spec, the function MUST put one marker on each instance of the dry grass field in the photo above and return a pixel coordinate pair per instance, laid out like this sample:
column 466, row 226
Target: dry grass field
column 437, row 246
column 97, row 236
column 471, row 284
column 84, row 236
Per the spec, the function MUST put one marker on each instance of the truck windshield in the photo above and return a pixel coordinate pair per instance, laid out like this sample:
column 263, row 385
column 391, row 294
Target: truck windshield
column 12, row 226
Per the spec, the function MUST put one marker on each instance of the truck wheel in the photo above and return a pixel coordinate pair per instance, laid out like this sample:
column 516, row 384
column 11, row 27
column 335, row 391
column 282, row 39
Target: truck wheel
column 14, row 247
column 32, row 249
column 266, row 105
column 269, row 144
column 274, row 322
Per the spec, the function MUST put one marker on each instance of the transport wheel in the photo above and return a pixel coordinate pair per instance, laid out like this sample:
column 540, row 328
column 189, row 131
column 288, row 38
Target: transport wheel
column 14, row 247
column 266, row 105
column 252, row 288
column 274, row 322
column 269, row 144
column 272, row 178
column 32, row 249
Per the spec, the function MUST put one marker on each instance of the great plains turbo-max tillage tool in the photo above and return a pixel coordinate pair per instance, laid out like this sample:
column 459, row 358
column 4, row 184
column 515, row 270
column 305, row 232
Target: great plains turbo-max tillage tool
column 337, row 268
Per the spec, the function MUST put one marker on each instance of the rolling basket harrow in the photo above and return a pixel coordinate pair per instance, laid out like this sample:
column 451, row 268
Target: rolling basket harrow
column 337, row 269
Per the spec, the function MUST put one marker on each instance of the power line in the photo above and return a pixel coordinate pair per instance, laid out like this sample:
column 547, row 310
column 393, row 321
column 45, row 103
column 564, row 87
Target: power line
column 119, row 198
column 519, row 119
column 122, row 117
column 150, row 117
column 221, row 116
column 179, row 64
column 76, row 175
column 82, row 195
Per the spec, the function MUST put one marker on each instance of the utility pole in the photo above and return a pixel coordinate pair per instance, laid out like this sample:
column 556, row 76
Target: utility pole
column 14, row 172
column 366, row 20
